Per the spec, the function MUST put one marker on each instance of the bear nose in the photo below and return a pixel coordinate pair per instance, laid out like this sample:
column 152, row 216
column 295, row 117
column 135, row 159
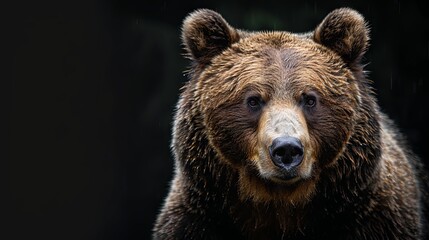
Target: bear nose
column 286, row 152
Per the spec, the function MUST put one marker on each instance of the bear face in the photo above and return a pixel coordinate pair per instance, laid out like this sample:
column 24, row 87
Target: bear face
column 277, row 107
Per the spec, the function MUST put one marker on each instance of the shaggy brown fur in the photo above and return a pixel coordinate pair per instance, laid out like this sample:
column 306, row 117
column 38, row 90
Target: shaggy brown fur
column 356, row 179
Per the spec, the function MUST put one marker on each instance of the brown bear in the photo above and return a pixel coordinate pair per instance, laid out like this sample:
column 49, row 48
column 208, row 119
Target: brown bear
column 278, row 135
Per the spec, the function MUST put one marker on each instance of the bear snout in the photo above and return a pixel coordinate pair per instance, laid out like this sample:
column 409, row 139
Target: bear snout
column 286, row 153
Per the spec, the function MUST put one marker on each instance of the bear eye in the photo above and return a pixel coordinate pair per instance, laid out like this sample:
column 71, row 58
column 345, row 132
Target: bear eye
column 309, row 100
column 254, row 103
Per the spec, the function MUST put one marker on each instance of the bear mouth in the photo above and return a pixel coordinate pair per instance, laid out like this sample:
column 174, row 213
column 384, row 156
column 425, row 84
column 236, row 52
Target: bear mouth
column 287, row 180
column 282, row 184
column 284, row 181
column 280, row 178
column 276, row 186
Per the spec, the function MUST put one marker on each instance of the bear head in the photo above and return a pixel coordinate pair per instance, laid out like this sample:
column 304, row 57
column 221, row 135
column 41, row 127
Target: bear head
column 276, row 107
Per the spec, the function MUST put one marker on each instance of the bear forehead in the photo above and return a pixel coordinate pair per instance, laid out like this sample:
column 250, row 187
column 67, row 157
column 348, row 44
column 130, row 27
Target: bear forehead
column 276, row 57
column 257, row 41
column 283, row 50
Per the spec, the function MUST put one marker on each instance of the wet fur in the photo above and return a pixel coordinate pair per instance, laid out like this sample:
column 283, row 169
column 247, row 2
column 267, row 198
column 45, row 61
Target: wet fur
column 365, row 184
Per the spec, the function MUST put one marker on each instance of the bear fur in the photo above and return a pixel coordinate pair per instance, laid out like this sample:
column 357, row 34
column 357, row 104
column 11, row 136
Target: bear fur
column 355, row 178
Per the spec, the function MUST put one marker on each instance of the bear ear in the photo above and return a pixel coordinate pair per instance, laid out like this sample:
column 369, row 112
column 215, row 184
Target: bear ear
column 344, row 31
column 206, row 34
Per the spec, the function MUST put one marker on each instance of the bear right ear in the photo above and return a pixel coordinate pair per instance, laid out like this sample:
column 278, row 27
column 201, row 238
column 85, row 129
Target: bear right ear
column 206, row 34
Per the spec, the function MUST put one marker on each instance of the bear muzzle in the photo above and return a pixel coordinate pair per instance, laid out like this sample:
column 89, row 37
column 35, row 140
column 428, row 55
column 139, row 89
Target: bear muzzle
column 284, row 150
column 287, row 154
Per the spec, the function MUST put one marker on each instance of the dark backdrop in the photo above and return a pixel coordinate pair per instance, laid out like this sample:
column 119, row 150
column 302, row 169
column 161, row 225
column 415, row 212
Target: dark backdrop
column 93, row 88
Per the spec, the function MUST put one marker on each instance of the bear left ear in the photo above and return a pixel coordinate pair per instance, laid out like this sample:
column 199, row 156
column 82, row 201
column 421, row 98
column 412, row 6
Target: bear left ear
column 206, row 34
column 344, row 31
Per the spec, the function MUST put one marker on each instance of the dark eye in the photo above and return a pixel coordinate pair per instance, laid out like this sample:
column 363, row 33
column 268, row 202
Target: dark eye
column 309, row 100
column 254, row 103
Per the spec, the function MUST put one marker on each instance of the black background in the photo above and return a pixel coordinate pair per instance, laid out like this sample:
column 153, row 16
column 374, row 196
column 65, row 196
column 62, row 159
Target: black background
column 93, row 89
